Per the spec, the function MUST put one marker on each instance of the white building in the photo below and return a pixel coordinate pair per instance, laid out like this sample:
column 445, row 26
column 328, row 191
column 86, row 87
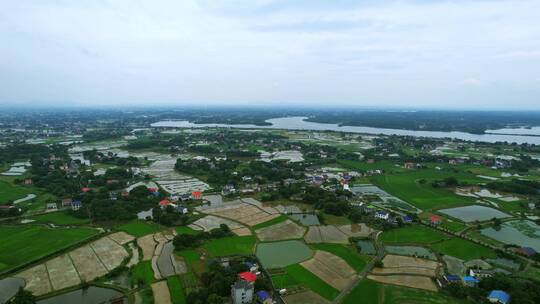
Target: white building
column 242, row 292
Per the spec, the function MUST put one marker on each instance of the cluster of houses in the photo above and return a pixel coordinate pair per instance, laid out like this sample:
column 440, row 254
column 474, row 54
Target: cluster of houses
column 66, row 203
column 472, row 280
column 243, row 290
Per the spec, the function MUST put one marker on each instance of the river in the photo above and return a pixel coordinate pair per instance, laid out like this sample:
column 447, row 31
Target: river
column 299, row 123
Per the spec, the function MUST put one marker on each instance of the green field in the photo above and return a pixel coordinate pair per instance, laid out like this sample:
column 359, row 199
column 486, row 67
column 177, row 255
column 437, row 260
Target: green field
column 271, row 222
column 463, row 249
column 371, row 292
column 59, row 218
column 230, row 245
column 186, row 230
column 142, row 272
column 414, row 234
column 10, row 192
column 408, row 187
column 355, row 260
column 139, row 228
column 175, row 288
column 24, row 244
column 311, row 281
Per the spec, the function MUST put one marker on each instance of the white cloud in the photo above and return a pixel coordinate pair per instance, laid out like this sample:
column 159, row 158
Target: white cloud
column 391, row 52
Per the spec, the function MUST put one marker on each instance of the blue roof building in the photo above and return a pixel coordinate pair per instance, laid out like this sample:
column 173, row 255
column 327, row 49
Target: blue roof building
column 407, row 219
column 263, row 297
column 450, row 278
column 498, row 296
column 470, row 281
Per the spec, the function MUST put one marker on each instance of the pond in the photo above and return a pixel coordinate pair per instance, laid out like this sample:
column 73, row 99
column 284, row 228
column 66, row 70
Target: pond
column 299, row 123
column 473, row 213
column 281, row 254
column 366, row 247
column 420, row 252
column 9, row 287
column 306, row 219
column 90, row 295
column 519, row 232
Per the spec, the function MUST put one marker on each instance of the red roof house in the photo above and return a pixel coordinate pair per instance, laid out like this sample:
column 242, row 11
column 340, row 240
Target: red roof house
column 85, row 189
column 435, row 220
column 164, row 203
column 248, row 276
column 196, row 194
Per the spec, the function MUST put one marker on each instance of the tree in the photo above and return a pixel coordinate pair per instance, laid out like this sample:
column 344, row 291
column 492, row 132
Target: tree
column 24, row 297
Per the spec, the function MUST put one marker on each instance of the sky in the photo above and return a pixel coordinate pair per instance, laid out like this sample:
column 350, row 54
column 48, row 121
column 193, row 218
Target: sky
column 418, row 53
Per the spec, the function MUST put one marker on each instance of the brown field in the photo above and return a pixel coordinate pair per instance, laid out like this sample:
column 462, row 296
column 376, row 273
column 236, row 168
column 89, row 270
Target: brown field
column 121, row 237
column 356, row 230
column 62, row 273
column 313, row 235
column 326, row 234
column 109, row 252
column 211, row 222
column 134, row 255
column 147, row 245
column 256, row 203
column 242, row 231
column 398, row 261
column 244, row 213
column 37, row 280
column 305, row 297
column 161, row 293
column 418, row 282
column 331, row 269
column 281, row 231
column 87, row 263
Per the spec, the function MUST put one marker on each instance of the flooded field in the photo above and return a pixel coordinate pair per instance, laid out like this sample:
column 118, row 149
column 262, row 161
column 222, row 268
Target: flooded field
column 473, row 213
column 281, row 254
column 306, row 219
column 366, row 247
column 520, row 232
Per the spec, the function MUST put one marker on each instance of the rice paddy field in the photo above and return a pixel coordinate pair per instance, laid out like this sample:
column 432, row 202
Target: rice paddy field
column 59, row 218
column 230, row 246
column 14, row 243
column 413, row 234
column 11, row 192
column 282, row 254
column 415, row 188
column 306, row 278
column 347, row 253
column 376, row 293
column 463, row 249
column 139, row 228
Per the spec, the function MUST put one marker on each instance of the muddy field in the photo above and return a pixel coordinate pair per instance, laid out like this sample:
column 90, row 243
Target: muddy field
column 84, row 263
column 161, row 293
column 396, row 262
column 331, row 269
column 407, row 281
column 282, row 231
column 336, row 234
column 87, row 263
column 242, row 212
column 211, row 222
column 121, row 237
column 147, row 245
column 305, row 297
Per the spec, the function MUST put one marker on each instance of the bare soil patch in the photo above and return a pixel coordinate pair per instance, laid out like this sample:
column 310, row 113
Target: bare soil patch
column 331, row 269
column 305, row 297
column 109, row 252
column 87, row 263
column 244, row 213
column 37, row 280
column 147, row 245
column 121, row 237
column 281, row 231
column 161, row 293
column 62, row 273
column 405, row 280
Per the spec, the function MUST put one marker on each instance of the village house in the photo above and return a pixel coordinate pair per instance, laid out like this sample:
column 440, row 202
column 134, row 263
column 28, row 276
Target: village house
column 499, row 297
column 66, row 202
column 383, row 215
column 52, row 207
column 76, row 205
column 242, row 292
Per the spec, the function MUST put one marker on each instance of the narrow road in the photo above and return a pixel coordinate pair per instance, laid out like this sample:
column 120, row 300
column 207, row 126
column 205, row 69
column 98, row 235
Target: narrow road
column 362, row 275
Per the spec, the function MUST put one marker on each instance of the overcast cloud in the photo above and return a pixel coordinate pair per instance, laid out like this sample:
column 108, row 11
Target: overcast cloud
column 459, row 54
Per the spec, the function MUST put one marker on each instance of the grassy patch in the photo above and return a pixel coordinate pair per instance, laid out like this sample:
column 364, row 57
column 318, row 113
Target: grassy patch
column 186, row 230
column 177, row 293
column 23, row 244
column 271, row 222
column 355, row 260
column 142, row 273
column 139, row 228
column 330, row 219
column 531, row 273
column 463, row 249
column 230, row 245
column 11, row 192
column 311, row 281
column 413, row 234
column 59, row 218
column 366, row 290
column 284, row 280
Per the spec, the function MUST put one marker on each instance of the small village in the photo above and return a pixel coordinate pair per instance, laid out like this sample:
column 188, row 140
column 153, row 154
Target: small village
column 211, row 215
